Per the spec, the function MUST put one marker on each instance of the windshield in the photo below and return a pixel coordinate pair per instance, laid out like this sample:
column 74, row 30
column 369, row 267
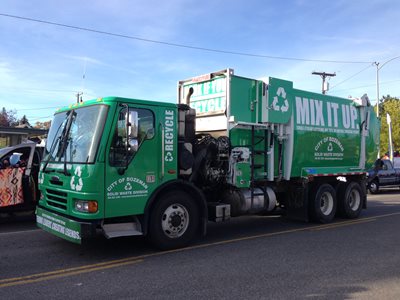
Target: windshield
column 80, row 140
column 4, row 151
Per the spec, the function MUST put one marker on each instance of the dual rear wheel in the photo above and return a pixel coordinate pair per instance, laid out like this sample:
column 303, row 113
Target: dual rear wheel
column 346, row 200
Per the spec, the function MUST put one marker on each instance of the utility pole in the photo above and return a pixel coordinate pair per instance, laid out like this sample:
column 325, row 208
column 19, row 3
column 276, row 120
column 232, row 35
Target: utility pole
column 323, row 76
column 79, row 97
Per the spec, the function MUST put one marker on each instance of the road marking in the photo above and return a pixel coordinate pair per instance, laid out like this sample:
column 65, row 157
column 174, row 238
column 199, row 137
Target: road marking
column 64, row 273
column 137, row 259
column 342, row 224
column 15, row 232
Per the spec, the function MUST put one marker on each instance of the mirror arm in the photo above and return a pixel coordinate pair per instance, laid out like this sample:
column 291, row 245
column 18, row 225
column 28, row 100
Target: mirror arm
column 121, row 171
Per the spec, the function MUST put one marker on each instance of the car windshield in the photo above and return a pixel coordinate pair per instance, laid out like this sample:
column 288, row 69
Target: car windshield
column 4, row 151
column 74, row 135
column 16, row 148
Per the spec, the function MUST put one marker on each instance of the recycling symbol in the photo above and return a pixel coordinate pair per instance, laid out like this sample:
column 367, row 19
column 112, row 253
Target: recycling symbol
column 128, row 187
column 280, row 93
column 76, row 177
column 330, row 147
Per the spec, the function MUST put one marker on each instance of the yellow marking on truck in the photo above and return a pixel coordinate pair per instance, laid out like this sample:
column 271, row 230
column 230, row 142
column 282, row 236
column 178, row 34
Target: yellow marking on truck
column 137, row 259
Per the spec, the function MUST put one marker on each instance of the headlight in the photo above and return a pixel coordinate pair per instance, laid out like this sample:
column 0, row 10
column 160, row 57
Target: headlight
column 89, row 206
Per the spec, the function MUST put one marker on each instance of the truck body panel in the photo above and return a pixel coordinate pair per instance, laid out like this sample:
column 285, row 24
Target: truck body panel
column 324, row 130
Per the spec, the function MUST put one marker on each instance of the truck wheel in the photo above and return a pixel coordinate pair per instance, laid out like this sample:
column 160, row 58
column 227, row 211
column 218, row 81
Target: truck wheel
column 174, row 221
column 374, row 187
column 323, row 204
column 350, row 202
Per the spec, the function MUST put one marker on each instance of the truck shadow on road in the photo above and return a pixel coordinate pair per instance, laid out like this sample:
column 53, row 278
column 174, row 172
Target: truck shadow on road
column 235, row 230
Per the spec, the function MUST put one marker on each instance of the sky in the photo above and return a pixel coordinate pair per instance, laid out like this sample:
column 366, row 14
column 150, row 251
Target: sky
column 141, row 49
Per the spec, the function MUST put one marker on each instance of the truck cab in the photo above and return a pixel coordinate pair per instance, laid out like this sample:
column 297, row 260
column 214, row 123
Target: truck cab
column 106, row 161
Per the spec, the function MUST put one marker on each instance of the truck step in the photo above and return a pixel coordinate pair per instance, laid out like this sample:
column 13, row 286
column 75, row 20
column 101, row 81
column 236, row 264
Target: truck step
column 218, row 212
column 122, row 229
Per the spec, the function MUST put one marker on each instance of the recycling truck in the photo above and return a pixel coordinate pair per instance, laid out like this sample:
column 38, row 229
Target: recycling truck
column 231, row 146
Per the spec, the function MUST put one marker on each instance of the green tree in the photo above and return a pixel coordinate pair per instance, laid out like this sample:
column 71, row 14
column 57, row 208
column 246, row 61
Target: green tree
column 24, row 120
column 391, row 106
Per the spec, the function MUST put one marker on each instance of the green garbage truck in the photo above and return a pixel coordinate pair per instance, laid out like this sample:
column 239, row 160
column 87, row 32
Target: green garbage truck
column 230, row 146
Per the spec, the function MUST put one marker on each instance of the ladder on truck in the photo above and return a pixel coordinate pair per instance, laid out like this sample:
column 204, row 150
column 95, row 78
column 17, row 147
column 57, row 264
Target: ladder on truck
column 259, row 182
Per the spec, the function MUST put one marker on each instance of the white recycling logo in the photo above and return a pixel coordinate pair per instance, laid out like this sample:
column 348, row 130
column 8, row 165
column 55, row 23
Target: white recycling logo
column 128, row 187
column 280, row 93
column 330, row 147
column 77, row 177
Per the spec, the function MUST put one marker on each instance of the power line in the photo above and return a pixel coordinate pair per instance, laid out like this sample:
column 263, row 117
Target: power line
column 368, row 85
column 352, row 76
column 50, row 107
column 176, row 44
column 35, row 89
column 38, row 118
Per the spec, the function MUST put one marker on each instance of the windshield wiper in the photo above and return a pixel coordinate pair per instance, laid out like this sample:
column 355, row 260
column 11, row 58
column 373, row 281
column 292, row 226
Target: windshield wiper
column 65, row 140
column 52, row 148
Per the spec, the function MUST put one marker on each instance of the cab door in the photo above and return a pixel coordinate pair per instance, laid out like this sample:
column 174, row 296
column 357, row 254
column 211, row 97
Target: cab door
column 132, row 165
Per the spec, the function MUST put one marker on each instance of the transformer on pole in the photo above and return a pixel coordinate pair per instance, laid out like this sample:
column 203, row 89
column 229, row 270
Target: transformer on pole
column 323, row 75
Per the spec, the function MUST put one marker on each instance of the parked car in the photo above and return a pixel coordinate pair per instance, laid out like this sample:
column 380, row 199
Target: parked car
column 19, row 170
column 383, row 175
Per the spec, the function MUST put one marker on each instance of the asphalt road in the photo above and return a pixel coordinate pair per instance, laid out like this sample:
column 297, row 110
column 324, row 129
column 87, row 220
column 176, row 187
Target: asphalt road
column 245, row 258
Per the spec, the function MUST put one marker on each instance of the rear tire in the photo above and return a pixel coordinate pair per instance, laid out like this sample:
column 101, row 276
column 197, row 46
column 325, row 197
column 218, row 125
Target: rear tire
column 174, row 221
column 323, row 203
column 350, row 201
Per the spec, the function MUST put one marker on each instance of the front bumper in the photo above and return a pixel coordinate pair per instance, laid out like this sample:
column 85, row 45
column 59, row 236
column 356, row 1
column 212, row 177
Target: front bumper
column 68, row 229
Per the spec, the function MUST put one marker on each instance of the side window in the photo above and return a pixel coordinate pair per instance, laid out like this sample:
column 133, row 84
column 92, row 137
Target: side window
column 18, row 157
column 133, row 128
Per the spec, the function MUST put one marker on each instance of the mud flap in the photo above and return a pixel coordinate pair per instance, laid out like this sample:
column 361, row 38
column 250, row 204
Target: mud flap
column 296, row 202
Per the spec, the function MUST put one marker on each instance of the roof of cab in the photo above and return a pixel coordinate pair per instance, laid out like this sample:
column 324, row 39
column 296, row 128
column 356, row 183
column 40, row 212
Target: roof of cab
column 112, row 99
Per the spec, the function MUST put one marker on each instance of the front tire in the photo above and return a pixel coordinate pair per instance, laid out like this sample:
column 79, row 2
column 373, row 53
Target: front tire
column 174, row 221
column 323, row 203
column 374, row 187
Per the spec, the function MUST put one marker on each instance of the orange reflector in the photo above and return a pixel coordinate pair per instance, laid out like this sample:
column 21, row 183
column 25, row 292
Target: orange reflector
column 93, row 207
column 171, row 171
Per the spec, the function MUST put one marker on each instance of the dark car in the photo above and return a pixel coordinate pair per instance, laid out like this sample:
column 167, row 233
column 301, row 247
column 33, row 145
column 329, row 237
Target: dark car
column 383, row 175
column 19, row 170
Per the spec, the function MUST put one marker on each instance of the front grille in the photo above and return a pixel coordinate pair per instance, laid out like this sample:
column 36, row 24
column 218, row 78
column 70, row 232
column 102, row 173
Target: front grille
column 56, row 199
